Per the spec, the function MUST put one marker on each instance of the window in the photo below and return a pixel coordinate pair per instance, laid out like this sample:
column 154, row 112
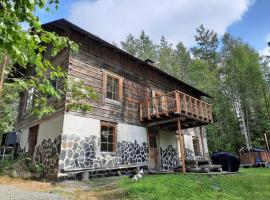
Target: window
column 113, row 86
column 108, row 137
column 29, row 99
column 54, row 84
column 196, row 146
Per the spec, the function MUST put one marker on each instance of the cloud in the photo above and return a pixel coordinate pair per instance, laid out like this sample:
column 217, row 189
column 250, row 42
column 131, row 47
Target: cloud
column 266, row 51
column 177, row 20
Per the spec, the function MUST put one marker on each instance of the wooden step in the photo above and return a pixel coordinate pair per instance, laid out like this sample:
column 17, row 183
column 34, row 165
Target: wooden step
column 210, row 166
column 204, row 162
column 198, row 170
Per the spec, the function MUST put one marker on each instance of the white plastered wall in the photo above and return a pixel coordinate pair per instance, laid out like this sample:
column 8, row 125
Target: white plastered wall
column 81, row 126
column 23, row 139
column 189, row 133
column 84, row 127
column 126, row 132
column 167, row 138
column 50, row 129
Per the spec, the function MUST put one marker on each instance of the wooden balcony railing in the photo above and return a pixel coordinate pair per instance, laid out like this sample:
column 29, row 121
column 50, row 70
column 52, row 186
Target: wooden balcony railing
column 174, row 103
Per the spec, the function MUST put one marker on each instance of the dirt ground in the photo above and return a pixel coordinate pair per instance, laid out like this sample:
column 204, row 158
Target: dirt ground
column 13, row 189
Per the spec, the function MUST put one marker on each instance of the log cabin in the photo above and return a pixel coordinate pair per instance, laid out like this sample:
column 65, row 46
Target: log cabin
column 144, row 116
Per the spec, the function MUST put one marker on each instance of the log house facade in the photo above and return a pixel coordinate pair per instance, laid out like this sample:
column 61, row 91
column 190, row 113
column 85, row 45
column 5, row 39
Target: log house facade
column 143, row 117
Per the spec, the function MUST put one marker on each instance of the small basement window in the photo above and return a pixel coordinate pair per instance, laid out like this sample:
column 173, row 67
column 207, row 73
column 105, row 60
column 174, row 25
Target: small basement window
column 108, row 138
column 196, row 146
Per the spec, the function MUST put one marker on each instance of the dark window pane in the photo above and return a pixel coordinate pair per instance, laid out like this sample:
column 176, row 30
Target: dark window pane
column 111, row 129
column 110, row 147
column 109, row 87
column 103, row 138
column 109, row 95
column 109, row 79
column 110, row 138
column 103, row 147
column 104, row 128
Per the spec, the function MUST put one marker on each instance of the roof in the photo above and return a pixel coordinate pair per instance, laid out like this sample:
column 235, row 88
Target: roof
column 105, row 43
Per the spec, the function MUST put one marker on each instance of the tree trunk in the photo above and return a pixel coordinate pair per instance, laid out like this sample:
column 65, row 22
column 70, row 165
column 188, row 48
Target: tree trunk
column 2, row 71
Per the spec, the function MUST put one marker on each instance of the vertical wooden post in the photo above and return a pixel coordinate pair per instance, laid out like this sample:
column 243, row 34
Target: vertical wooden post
column 178, row 102
column 156, row 105
column 191, row 106
column 266, row 141
column 182, row 146
column 185, row 103
column 148, row 110
column 141, row 114
column 200, row 108
column 201, row 136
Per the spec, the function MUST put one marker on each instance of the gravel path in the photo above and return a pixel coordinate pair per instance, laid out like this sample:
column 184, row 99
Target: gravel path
column 10, row 192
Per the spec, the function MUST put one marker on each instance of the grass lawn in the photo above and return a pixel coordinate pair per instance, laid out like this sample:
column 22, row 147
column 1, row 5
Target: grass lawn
column 248, row 184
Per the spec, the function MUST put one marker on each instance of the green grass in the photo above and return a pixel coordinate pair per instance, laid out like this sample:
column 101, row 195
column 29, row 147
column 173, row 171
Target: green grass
column 248, row 184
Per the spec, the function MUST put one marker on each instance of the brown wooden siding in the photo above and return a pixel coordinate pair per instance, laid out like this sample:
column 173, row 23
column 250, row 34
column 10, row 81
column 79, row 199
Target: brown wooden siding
column 137, row 85
column 25, row 119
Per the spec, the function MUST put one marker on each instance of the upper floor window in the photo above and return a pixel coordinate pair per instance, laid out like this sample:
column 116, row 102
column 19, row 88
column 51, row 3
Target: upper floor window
column 29, row 99
column 108, row 137
column 113, row 86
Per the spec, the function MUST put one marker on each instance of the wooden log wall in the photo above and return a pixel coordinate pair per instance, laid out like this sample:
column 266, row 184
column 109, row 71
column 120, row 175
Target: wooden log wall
column 138, row 83
column 25, row 119
column 94, row 56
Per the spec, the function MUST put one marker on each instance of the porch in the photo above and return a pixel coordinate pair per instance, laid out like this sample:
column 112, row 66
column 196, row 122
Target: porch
column 175, row 111
column 175, row 104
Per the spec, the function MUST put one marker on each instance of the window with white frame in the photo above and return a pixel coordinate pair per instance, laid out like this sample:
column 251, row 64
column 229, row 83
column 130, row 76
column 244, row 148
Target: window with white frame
column 108, row 137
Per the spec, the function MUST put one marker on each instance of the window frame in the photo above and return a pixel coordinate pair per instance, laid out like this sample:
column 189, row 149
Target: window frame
column 27, row 104
column 114, row 137
column 120, row 87
column 198, row 152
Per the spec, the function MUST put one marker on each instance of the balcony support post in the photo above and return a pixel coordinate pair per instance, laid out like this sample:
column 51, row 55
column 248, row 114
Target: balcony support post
column 202, row 140
column 141, row 117
column 182, row 146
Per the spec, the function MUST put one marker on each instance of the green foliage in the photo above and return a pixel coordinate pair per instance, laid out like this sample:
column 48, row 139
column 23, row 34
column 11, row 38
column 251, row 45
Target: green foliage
column 26, row 51
column 232, row 74
column 80, row 94
column 141, row 47
column 5, row 164
column 8, row 109
column 248, row 184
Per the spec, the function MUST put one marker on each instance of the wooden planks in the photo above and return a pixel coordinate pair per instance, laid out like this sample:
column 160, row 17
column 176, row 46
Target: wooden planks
column 180, row 103
column 182, row 146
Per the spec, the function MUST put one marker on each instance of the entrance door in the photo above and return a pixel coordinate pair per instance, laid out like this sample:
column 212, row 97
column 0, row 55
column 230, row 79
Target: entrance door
column 32, row 139
column 153, row 150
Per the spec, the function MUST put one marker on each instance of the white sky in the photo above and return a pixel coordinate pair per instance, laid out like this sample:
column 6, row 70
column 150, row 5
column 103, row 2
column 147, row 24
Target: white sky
column 177, row 20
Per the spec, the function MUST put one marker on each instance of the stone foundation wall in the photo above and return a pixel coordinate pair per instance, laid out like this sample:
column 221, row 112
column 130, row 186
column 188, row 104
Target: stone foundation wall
column 47, row 154
column 168, row 158
column 83, row 152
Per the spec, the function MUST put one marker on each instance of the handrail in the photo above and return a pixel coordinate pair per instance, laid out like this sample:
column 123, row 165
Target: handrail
column 175, row 102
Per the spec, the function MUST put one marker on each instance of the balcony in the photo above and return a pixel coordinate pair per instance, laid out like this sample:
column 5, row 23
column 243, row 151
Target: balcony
column 176, row 104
